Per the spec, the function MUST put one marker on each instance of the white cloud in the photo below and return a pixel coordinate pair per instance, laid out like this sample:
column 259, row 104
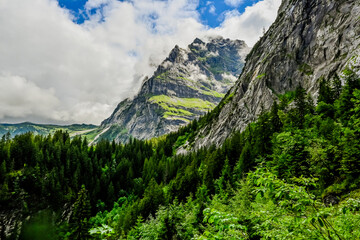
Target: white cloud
column 234, row 3
column 63, row 72
column 21, row 98
column 90, row 4
column 249, row 25
column 212, row 10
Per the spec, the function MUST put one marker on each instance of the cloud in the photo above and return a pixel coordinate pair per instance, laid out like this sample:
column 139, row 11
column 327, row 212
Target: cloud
column 62, row 72
column 234, row 3
column 212, row 10
column 249, row 25
column 91, row 4
column 21, row 98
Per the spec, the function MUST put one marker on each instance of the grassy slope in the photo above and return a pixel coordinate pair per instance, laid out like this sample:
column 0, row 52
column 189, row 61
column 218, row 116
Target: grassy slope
column 181, row 107
column 45, row 129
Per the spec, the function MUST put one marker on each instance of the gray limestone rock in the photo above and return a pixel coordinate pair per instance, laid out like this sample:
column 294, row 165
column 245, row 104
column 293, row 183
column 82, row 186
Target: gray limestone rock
column 189, row 83
column 310, row 39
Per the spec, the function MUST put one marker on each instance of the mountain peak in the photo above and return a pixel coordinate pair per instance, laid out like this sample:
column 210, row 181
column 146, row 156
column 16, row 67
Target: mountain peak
column 310, row 40
column 186, row 85
column 197, row 41
column 174, row 54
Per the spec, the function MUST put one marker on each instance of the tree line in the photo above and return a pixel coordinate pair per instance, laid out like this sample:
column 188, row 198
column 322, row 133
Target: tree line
column 134, row 190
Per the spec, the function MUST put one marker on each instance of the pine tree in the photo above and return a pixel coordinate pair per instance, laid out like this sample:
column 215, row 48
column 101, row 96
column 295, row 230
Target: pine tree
column 222, row 182
column 110, row 193
column 303, row 105
column 2, row 171
column 336, row 87
column 80, row 218
column 325, row 92
column 345, row 104
column 276, row 123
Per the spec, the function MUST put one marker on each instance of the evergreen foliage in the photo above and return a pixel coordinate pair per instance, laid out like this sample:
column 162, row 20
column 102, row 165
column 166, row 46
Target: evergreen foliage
column 292, row 174
column 80, row 217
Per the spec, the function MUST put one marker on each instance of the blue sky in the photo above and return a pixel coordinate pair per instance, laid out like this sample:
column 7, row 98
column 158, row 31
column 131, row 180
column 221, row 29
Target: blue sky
column 211, row 12
column 214, row 19
column 80, row 58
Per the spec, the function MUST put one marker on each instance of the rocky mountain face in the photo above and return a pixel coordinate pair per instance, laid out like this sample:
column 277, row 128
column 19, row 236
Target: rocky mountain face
column 188, row 83
column 310, row 40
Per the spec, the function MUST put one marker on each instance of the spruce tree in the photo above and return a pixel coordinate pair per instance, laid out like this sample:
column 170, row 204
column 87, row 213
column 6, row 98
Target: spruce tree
column 79, row 222
column 301, row 107
column 326, row 94
column 276, row 123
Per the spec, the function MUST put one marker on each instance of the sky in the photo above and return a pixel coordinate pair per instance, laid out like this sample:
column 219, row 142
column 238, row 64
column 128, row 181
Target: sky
column 73, row 61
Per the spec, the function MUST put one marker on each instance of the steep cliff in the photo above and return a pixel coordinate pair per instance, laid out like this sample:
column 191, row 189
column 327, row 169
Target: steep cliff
column 310, row 40
column 188, row 83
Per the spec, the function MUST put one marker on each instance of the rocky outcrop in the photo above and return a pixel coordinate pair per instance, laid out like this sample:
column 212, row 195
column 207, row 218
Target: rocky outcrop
column 18, row 223
column 310, row 39
column 188, row 83
column 10, row 224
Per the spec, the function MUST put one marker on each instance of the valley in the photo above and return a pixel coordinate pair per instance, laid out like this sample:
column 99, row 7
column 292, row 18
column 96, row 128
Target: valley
column 221, row 142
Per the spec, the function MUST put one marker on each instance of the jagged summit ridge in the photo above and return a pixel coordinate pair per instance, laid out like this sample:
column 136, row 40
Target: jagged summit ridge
column 187, row 84
column 310, row 40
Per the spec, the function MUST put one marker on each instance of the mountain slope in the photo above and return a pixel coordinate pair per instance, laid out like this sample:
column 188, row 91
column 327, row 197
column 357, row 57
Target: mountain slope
column 310, row 40
column 45, row 129
column 189, row 83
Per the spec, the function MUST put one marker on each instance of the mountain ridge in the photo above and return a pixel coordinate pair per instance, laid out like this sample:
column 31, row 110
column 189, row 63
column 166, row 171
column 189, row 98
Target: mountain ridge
column 186, row 85
column 44, row 129
column 309, row 41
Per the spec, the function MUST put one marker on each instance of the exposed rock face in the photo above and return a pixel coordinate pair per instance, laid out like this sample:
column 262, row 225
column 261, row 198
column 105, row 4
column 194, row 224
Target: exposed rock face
column 10, row 224
column 310, row 39
column 189, row 83
column 16, row 223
